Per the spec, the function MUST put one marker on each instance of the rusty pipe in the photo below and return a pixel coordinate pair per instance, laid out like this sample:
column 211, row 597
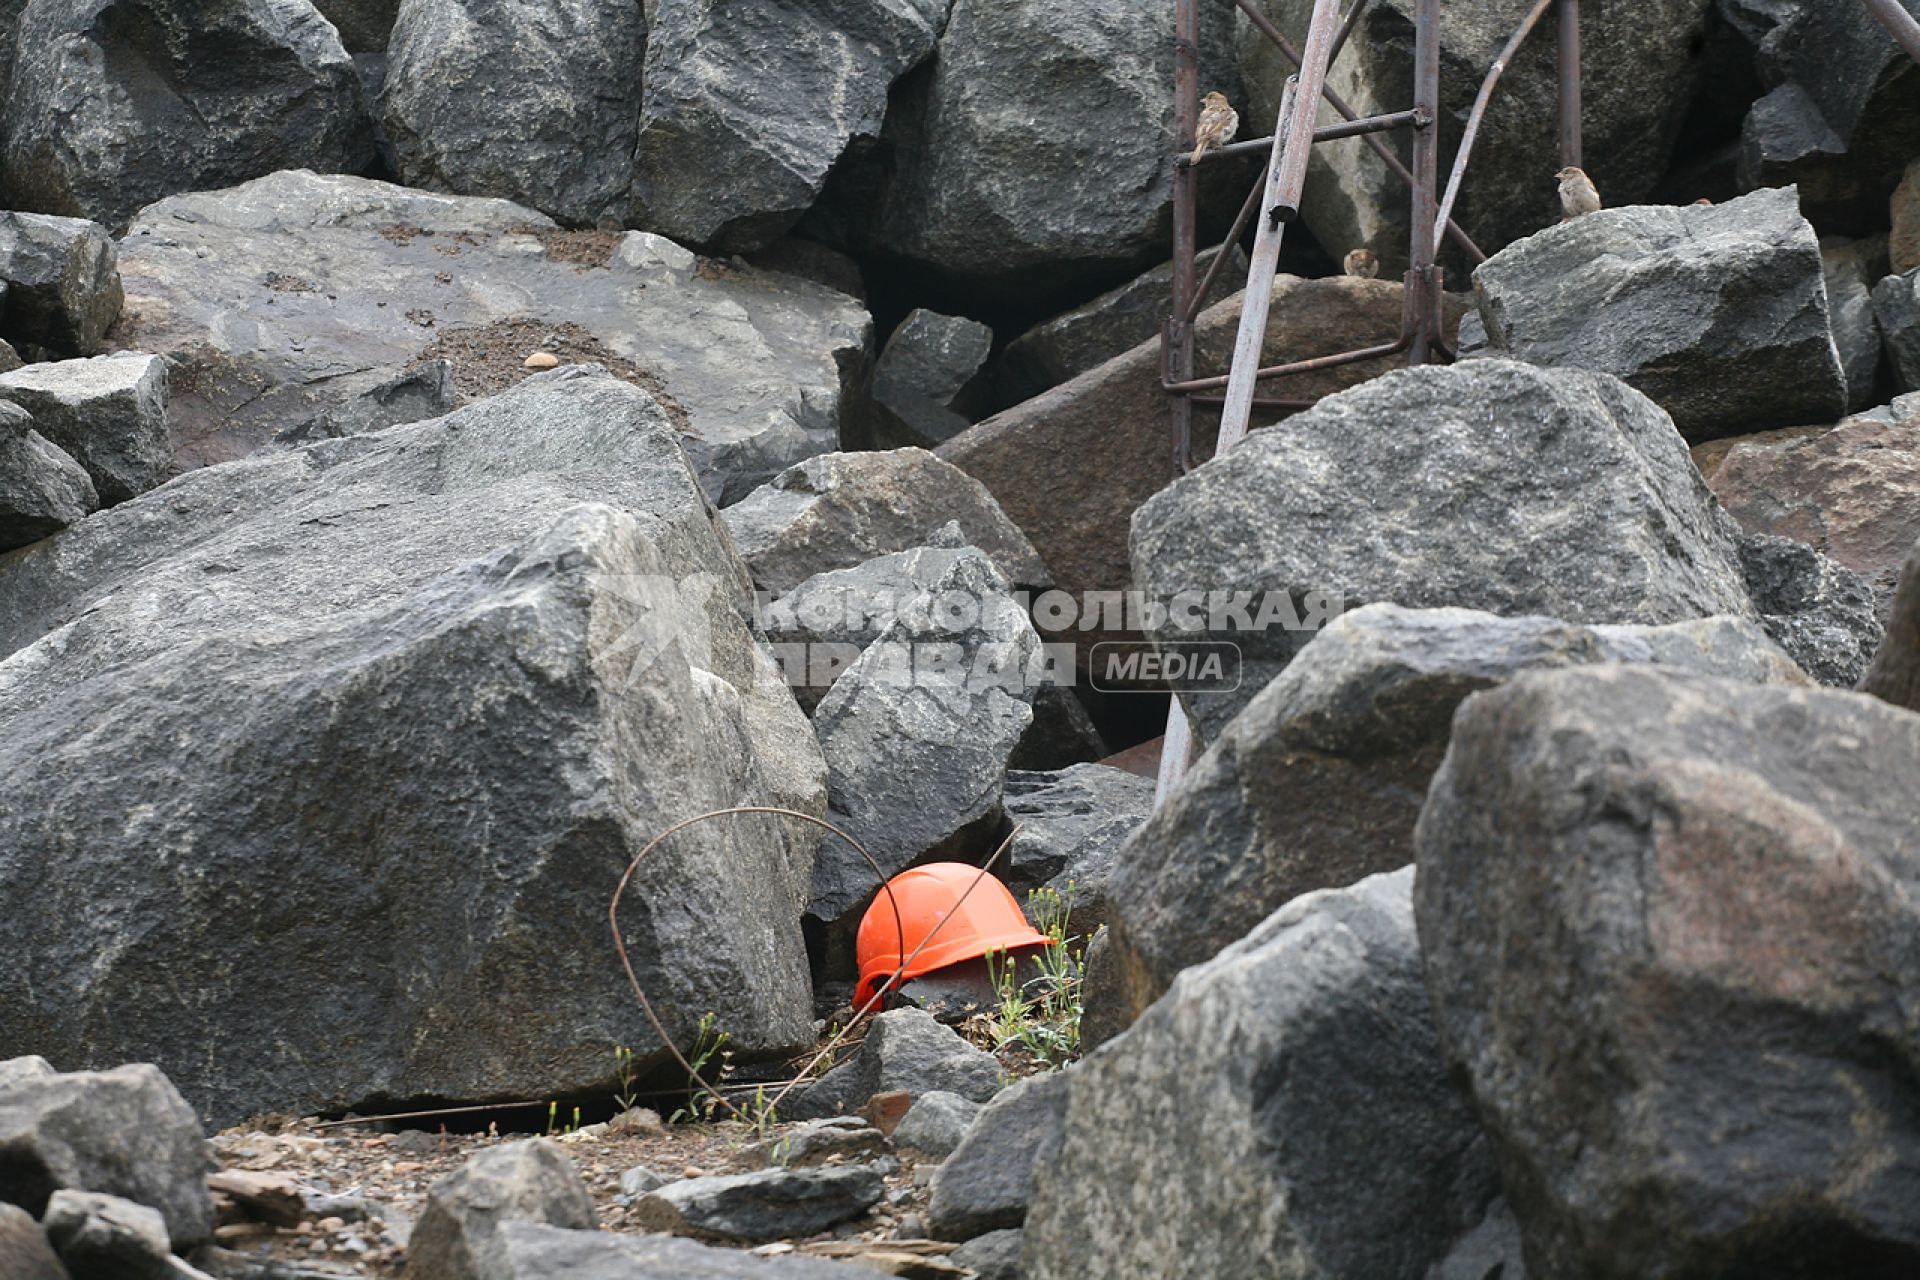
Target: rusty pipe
column 1263, row 402
column 1481, row 102
column 1177, row 337
column 1410, row 119
column 1264, row 25
column 1240, row 222
column 1315, row 365
column 1422, row 279
column 1572, row 145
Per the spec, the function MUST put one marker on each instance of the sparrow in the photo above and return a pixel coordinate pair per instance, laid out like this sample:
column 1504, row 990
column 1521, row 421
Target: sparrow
column 1577, row 194
column 1218, row 123
column 1361, row 264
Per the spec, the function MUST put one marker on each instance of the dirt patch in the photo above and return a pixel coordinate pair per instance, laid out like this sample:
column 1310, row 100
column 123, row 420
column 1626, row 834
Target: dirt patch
column 489, row 359
column 584, row 249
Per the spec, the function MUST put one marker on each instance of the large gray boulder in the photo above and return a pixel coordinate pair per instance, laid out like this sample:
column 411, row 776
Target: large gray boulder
column 1816, row 608
column 1895, row 674
column 227, row 90
column 9, row 29
column 458, row 1236
column 1087, row 336
column 1641, row 66
column 1488, row 485
column 108, row 1238
column 1896, row 304
column 1670, row 936
column 748, row 104
column 1287, row 1108
column 459, row 672
column 1073, row 823
column 993, row 1256
column 1036, row 158
column 1719, row 313
column 766, row 1204
column 125, row 1132
column 24, row 1251
column 529, row 1251
column 42, row 489
column 372, row 278
column 918, row 731
column 1853, row 267
column 1071, row 466
column 534, row 103
column 1320, row 780
column 988, row 1181
column 62, row 279
column 929, row 361
column 836, row 511
column 1838, row 119
column 821, row 627
column 108, row 412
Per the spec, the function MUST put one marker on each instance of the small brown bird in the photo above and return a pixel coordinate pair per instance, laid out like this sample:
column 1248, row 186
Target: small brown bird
column 1218, row 123
column 1578, row 196
column 1362, row 264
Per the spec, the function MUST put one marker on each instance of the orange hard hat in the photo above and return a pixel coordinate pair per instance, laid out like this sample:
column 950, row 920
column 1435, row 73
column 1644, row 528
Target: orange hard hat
column 986, row 919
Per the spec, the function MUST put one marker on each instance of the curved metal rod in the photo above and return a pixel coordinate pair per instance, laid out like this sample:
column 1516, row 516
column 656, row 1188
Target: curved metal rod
column 1226, row 246
column 1479, row 113
column 620, row 946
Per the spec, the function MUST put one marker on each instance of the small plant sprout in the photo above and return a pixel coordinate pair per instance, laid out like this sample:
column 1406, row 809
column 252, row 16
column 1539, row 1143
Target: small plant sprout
column 760, row 1114
column 707, row 1044
column 626, row 1074
column 553, row 1119
column 1042, row 1014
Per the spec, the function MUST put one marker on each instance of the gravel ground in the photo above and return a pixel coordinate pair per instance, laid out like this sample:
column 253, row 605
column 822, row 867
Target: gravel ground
column 365, row 1191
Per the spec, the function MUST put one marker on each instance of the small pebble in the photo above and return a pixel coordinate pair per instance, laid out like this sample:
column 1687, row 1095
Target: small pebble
column 639, row 1180
column 416, row 1141
column 543, row 360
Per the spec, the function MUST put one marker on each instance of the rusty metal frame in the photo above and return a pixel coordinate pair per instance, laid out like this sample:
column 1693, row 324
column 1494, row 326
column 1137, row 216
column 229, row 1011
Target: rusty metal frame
column 1279, row 193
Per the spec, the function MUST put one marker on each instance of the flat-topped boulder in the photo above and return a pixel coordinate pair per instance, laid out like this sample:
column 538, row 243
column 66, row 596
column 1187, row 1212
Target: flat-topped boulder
column 287, row 296
column 456, row 674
